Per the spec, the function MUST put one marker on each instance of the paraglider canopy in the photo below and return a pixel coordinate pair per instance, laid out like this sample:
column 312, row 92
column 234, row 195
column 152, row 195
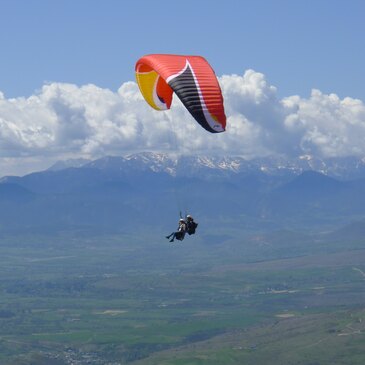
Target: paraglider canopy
column 191, row 78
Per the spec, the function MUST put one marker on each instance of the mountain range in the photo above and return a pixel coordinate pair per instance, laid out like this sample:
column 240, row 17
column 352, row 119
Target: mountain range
column 130, row 192
column 345, row 168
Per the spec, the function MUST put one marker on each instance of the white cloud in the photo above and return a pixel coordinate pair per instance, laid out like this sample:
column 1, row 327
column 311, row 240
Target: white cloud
column 64, row 120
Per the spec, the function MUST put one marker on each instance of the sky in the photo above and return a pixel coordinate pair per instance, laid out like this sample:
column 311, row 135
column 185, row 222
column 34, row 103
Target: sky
column 291, row 73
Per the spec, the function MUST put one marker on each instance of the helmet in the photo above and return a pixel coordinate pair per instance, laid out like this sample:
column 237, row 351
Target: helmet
column 189, row 216
column 181, row 220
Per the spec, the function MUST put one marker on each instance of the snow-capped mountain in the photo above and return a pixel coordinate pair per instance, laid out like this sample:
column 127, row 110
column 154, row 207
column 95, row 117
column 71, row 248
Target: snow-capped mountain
column 127, row 191
column 341, row 168
column 348, row 168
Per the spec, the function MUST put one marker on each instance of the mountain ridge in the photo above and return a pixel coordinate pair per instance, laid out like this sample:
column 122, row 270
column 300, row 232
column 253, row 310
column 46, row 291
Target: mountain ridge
column 346, row 168
column 260, row 194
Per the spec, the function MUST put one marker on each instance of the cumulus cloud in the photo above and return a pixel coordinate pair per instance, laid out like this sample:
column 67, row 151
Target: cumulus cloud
column 65, row 120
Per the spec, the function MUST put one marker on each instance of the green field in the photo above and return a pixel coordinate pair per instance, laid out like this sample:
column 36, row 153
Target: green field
column 280, row 298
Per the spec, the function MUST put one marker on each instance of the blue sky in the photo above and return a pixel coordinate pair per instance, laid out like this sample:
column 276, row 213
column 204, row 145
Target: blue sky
column 292, row 75
column 297, row 44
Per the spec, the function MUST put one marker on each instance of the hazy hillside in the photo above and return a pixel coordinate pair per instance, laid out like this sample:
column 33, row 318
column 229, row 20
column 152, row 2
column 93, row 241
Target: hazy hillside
column 126, row 193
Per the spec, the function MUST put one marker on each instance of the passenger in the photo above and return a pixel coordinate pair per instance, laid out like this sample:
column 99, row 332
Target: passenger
column 180, row 233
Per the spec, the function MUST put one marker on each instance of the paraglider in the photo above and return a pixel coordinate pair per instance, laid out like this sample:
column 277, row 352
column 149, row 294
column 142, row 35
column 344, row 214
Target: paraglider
column 191, row 225
column 191, row 78
column 187, row 225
